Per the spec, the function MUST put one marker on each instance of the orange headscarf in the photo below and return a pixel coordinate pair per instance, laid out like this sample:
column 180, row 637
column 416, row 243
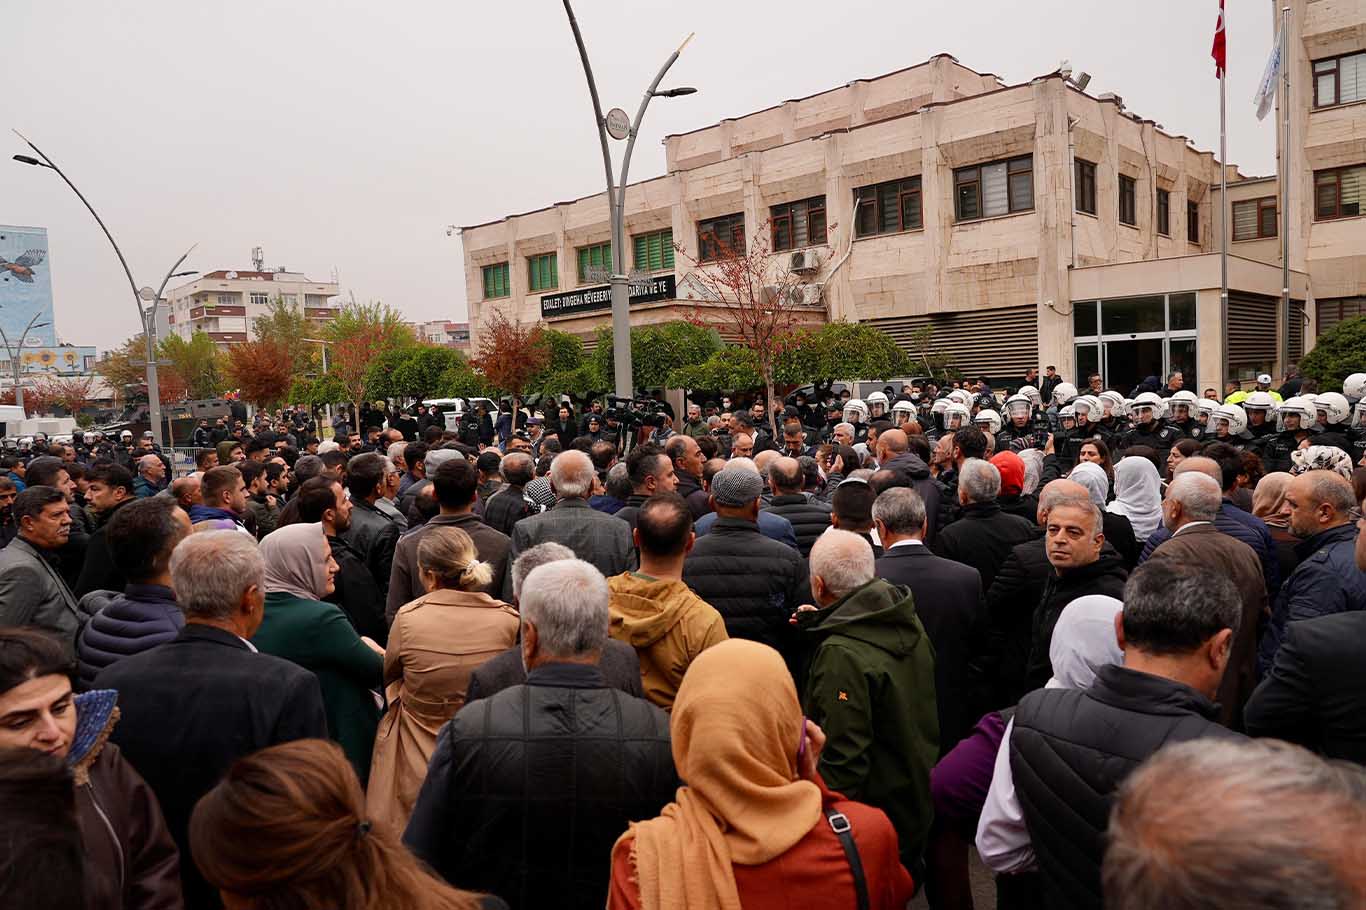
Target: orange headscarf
column 736, row 726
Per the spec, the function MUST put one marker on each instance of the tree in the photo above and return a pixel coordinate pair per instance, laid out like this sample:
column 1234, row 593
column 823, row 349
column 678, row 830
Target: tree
column 381, row 374
column 936, row 364
column 842, row 350
column 462, row 382
column 1337, row 354
column 418, row 375
column 359, row 334
column 196, row 361
column 751, row 296
column 730, row 369
column 125, row 368
column 511, row 354
column 286, row 324
column 261, row 371
column 568, row 372
column 70, row 393
column 656, row 351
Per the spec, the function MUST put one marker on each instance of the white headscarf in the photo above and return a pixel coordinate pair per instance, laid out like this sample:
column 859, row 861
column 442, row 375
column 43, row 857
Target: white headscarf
column 1033, row 463
column 1084, row 640
column 1138, row 495
column 1092, row 476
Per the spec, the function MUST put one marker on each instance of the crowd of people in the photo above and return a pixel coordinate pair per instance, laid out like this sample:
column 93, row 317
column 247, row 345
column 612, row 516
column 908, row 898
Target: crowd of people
column 802, row 653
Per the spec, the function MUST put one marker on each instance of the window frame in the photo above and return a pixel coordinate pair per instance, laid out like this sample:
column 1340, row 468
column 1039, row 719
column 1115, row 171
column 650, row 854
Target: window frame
column 1128, row 193
column 583, row 255
column 1085, row 176
column 1336, row 174
column 911, row 187
column 666, row 250
column 972, row 176
column 1335, row 72
column 1164, row 212
column 708, row 227
column 1260, row 203
column 1192, row 221
column 498, row 269
column 536, row 262
column 782, row 213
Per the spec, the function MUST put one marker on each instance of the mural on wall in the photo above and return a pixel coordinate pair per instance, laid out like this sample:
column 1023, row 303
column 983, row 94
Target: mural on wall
column 26, row 292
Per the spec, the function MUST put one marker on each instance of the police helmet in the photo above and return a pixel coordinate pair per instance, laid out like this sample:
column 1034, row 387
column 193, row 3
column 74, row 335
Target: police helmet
column 988, row 420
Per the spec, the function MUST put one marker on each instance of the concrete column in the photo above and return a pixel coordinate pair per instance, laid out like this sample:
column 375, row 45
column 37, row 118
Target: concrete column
column 1053, row 203
column 936, row 200
column 839, row 211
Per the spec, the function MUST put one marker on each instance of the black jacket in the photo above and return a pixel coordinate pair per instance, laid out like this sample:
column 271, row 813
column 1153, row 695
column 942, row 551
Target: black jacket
column 1070, row 749
column 948, row 599
column 505, row 508
column 809, row 518
column 620, row 666
column 690, row 488
column 631, row 511
column 1315, row 693
column 193, row 706
column 99, row 572
column 357, row 592
column 983, row 538
column 137, row 620
column 1104, row 576
column 1025, row 505
column 527, row 791
column 754, row 583
column 373, row 536
column 936, row 496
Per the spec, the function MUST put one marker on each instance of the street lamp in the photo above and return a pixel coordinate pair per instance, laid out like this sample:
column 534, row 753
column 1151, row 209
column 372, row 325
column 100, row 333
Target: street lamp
column 616, row 199
column 146, row 315
column 15, row 355
column 319, row 341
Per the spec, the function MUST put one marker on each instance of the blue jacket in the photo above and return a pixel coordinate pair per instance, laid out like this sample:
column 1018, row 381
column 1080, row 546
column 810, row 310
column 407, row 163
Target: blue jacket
column 140, row 618
column 1326, row 581
column 772, row 526
column 1239, row 525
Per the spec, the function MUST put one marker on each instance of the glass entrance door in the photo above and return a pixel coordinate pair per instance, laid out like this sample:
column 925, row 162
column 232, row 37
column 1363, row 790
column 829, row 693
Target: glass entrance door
column 1129, row 361
column 1127, row 340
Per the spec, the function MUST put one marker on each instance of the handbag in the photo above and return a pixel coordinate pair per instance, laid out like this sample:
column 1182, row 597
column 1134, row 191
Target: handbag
column 839, row 823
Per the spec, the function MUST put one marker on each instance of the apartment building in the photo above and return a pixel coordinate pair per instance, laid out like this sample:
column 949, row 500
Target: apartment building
column 226, row 303
column 444, row 332
column 1026, row 224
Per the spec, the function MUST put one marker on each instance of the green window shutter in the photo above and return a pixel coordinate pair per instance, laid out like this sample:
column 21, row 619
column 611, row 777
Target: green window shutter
column 639, row 255
column 585, row 256
column 666, row 244
column 496, row 280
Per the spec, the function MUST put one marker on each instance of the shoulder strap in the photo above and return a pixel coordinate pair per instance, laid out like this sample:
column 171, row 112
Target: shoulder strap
column 839, row 823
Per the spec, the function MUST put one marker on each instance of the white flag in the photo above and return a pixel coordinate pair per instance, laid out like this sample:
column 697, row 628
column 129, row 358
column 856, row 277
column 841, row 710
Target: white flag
column 1266, row 92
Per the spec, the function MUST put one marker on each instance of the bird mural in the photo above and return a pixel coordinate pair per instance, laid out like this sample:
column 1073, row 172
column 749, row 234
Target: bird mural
column 22, row 268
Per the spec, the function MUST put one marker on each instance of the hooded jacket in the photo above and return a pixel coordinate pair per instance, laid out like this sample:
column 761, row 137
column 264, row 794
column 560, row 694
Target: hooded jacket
column 667, row 624
column 871, row 689
column 938, row 504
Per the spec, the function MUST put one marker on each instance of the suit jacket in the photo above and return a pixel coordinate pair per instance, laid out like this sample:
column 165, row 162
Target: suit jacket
column 595, row 537
column 949, row 600
column 1212, row 550
column 34, row 593
column 193, row 706
column 620, row 666
column 405, row 585
column 1315, row 692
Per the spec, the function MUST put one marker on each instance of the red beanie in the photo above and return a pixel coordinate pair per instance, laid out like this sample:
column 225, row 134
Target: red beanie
column 1012, row 471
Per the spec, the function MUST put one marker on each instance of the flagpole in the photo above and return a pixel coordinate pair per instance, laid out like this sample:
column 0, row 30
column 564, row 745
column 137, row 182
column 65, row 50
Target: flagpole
column 1285, row 184
column 1224, row 210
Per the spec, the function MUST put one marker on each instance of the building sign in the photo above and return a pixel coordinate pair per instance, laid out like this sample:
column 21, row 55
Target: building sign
column 26, row 288
column 590, row 300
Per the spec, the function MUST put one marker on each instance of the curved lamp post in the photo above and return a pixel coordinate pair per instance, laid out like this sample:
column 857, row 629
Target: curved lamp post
column 14, row 354
column 616, row 204
column 146, row 315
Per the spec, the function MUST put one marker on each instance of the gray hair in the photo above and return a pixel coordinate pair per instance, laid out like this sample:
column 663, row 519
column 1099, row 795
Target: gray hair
column 1260, row 823
column 147, row 461
column 1199, row 495
column 211, row 570
column 1171, row 609
column 533, row 558
column 1081, row 504
column 435, row 458
column 845, row 426
column 901, row 509
column 572, row 474
column 979, row 480
column 742, row 463
column 396, row 449
column 567, row 603
column 619, row 484
column 307, row 467
column 842, row 560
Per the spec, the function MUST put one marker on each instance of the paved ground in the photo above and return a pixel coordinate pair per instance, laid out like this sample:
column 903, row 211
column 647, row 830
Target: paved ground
column 983, row 887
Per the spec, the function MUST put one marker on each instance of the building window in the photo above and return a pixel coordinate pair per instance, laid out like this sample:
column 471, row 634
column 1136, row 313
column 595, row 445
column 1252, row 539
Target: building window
column 1164, row 212
column 227, row 299
column 541, row 272
column 721, row 238
column 1128, row 200
column 888, row 208
column 594, row 258
column 1193, row 221
column 654, row 251
column 998, row 188
column 260, row 299
column 798, row 224
column 1337, row 193
column 496, row 281
column 1340, row 80
column 1086, row 187
column 1254, row 219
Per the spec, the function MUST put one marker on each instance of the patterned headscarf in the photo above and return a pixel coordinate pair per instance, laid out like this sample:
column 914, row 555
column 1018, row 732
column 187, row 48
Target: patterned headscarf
column 1321, row 458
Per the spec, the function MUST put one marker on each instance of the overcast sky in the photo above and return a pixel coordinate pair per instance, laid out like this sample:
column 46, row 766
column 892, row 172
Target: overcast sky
column 347, row 135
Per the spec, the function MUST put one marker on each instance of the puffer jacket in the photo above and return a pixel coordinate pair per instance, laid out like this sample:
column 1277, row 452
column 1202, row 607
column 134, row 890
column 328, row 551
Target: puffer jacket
column 528, row 789
column 125, row 835
column 122, row 625
column 1104, row 576
column 940, row 503
column 667, row 624
column 809, row 518
column 1326, row 581
column 754, row 583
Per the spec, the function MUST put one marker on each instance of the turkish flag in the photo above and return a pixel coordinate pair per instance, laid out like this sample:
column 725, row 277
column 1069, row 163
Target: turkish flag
column 1217, row 51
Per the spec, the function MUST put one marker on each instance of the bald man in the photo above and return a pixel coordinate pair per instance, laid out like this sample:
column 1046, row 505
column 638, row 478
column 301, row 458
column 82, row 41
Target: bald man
column 151, row 478
column 185, row 491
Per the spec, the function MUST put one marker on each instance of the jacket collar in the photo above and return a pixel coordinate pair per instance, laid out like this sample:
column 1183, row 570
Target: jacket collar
column 200, row 632
column 96, row 713
column 734, row 525
column 788, row 499
column 567, row 676
column 463, row 518
column 908, row 550
column 980, row 510
column 1145, row 693
column 571, row 504
column 158, row 594
column 1311, row 545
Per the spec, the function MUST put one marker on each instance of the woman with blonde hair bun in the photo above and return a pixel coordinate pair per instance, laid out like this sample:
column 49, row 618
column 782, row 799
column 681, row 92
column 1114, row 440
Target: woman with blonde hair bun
column 436, row 641
column 287, row 827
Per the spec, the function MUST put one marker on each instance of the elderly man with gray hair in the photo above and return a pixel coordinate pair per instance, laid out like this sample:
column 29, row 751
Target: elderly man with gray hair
column 620, row 663
column 594, row 536
column 983, row 535
column 1192, row 504
column 528, row 789
column 871, row 688
column 194, row 705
